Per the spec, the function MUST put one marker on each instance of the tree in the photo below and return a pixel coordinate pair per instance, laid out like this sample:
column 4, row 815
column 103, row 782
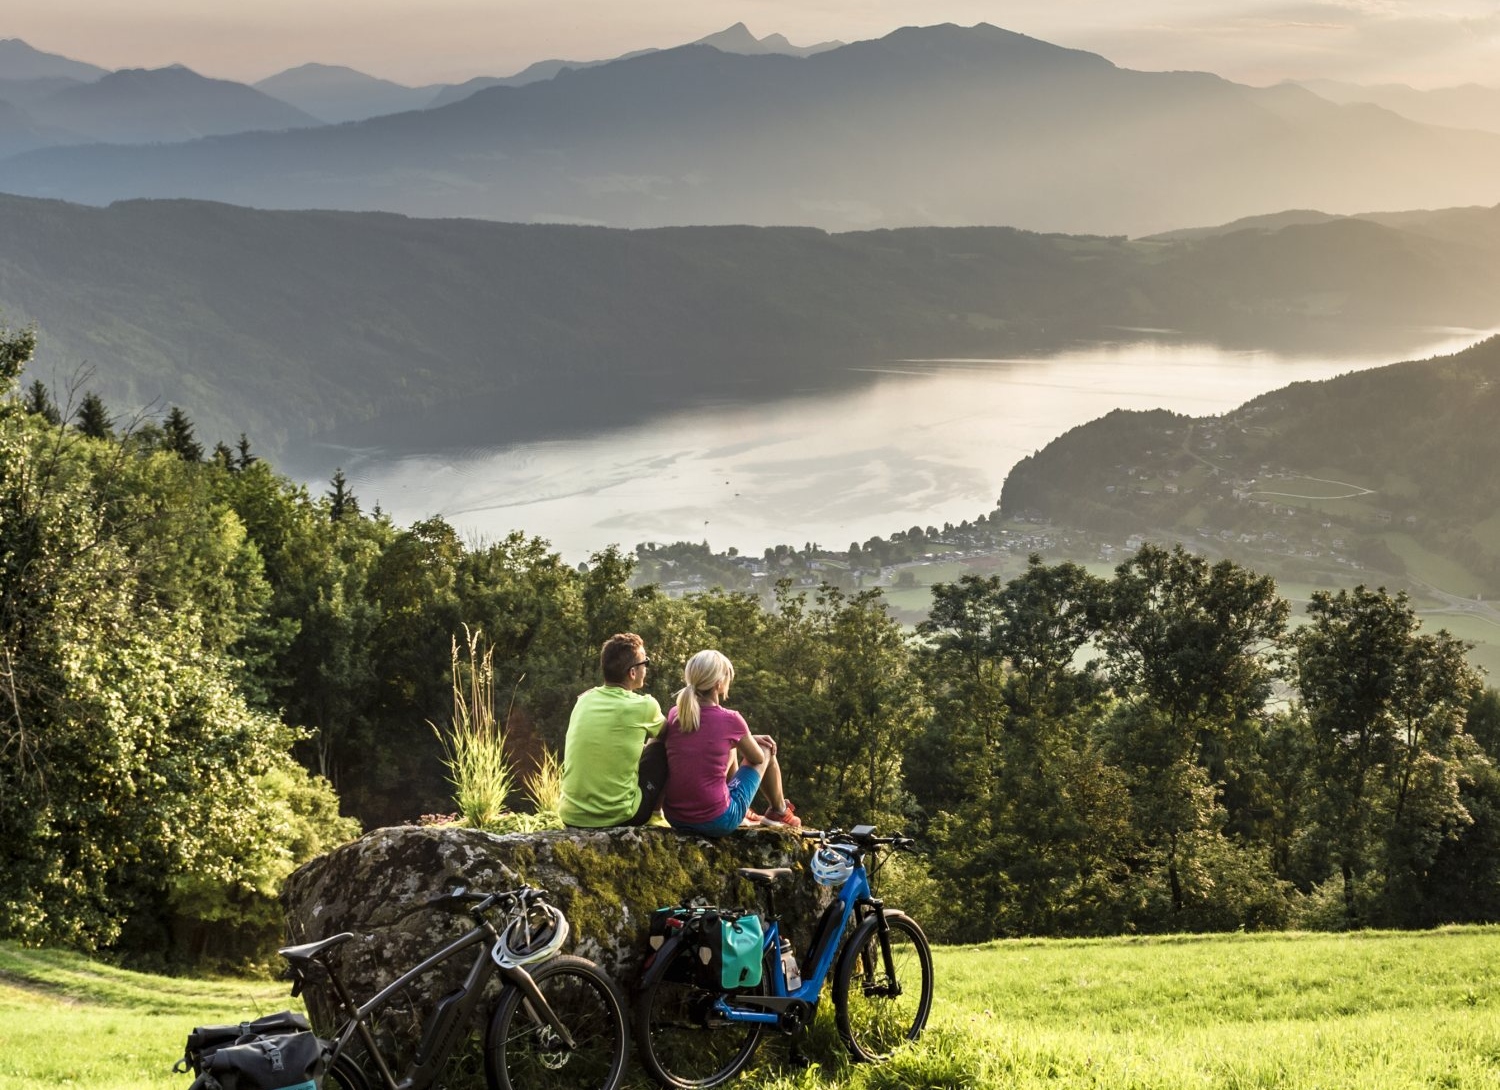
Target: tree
column 1386, row 705
column 177, row 436
column 1034, row 825
column 39, row 402
column 1187, row 646
column 341, row 501
column 245, row 459
column 92, row 418
column 125, row 746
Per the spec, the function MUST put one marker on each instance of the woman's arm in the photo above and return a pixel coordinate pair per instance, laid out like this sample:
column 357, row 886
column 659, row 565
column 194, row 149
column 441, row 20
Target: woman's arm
column 750, row 750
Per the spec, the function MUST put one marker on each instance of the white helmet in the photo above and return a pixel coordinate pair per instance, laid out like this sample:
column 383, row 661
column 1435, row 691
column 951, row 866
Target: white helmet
column 531, row 937
column 831, row 866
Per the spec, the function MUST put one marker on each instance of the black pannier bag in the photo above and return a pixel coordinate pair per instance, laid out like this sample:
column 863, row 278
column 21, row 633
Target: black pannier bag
column 273, row 1052
column 278, row 1061
column 726, row 945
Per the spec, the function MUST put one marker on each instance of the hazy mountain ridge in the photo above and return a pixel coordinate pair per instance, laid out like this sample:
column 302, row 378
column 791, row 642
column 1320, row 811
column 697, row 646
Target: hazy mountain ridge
column 1469, row 106
column 335, row 93
column 735, row 39
column 372, row 328
column 935, row 125
column 19, row 61
column 139, row 105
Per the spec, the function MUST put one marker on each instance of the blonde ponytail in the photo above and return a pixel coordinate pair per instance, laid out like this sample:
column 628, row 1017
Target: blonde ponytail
column 704, row 673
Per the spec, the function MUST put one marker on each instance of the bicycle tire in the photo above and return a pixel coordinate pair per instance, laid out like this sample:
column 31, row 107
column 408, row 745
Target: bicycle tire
column 682, row 1047
column 872, row 1021
column 345, row 1074
column 523, row 1053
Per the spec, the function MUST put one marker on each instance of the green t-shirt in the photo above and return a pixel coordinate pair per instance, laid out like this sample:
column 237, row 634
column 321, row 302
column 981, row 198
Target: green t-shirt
column 602, row 754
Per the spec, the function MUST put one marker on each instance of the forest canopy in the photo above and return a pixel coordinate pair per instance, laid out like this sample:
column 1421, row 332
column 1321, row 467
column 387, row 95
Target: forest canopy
column 203, row 665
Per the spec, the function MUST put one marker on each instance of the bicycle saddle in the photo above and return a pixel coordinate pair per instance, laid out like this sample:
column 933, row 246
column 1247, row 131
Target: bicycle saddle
column 763, row 876
column 309, row 950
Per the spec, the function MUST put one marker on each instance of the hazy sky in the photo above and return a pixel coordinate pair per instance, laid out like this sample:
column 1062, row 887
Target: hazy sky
column 1427, row 43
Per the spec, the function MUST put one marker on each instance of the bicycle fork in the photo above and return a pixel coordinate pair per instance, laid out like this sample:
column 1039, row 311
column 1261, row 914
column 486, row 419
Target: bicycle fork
column 892, row 986
column 537, row 1007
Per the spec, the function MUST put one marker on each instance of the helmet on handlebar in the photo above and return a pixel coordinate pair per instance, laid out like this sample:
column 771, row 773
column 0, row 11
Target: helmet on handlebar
column 831, row 866
column 531, row 937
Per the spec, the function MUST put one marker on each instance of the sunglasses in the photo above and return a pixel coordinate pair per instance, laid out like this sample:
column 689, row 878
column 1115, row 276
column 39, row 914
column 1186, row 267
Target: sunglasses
column 643, row 662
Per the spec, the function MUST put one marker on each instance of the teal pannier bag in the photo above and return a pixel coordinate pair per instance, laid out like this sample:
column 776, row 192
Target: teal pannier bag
column 740, row 941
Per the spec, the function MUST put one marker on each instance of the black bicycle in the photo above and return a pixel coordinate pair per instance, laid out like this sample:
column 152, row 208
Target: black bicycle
column 558, row 1024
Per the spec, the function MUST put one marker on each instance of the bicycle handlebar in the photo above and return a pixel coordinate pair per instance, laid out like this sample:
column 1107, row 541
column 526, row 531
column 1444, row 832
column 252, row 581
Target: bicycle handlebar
column 861, row 836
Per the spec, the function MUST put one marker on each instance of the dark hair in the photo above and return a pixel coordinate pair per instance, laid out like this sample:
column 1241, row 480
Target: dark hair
column 619, row 653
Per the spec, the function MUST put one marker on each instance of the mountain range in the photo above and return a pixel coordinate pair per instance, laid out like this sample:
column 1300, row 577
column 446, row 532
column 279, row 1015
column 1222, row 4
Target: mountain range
column 312, row 328
column 735, row 39
column 936, row 125
column 49, row 101
column 1469, row 106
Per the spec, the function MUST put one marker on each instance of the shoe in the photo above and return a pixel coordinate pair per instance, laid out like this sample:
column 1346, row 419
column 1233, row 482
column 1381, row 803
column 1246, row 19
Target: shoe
column 786, row 817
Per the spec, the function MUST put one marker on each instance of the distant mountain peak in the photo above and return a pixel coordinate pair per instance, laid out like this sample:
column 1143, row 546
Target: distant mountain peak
column 21, row 61
column 739, row 39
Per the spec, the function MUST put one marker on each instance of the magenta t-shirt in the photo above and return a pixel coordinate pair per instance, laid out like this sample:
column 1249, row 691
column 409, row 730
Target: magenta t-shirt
column 697, row 761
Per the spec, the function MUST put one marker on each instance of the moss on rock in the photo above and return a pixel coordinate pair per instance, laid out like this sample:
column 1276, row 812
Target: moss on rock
column 607, row 881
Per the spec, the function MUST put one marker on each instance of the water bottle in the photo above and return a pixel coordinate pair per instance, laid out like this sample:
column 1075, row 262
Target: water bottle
column 789, row 966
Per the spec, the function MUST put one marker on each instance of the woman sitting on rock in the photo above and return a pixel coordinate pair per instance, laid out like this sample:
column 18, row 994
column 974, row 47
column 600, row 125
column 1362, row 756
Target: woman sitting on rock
column 714, row 764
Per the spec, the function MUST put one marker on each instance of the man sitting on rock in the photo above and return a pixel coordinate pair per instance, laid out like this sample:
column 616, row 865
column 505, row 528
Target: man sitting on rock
column 614, row 767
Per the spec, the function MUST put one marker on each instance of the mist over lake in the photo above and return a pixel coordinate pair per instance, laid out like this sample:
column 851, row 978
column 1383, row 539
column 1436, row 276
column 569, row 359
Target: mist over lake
column 925, row 442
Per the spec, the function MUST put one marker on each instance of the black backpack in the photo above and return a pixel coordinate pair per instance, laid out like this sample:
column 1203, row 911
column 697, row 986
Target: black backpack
column 274, row 1052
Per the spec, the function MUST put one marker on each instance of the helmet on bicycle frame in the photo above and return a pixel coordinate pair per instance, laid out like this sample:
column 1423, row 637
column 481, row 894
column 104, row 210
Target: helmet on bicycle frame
column 831, row 866
column 531, row 937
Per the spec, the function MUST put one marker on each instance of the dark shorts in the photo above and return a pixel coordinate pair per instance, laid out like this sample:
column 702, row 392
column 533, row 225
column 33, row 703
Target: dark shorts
column 652, row 777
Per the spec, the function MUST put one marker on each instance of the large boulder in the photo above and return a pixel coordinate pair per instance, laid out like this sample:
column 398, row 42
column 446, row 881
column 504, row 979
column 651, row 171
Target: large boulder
column 606, row 881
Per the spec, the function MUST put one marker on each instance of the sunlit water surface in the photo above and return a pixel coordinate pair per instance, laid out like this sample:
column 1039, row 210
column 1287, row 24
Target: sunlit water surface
column 926, row 442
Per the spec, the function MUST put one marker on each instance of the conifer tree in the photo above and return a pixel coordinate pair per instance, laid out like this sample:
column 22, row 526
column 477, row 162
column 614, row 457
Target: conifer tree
column 178, row 436
column 341, row 501
column 39, row 402
column 245, row 459
column 92, row 418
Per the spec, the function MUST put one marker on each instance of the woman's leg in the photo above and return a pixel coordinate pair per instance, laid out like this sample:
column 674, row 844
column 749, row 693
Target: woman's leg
column 770, row 783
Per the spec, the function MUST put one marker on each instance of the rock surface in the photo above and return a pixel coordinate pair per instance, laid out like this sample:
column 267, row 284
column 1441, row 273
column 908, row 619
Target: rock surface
column 607, row 882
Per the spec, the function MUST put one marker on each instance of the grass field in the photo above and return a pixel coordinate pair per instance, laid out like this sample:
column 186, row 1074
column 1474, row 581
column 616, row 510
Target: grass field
column 1366, row 1010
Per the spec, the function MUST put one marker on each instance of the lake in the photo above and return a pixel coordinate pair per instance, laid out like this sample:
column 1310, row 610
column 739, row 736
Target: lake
column 923, row 442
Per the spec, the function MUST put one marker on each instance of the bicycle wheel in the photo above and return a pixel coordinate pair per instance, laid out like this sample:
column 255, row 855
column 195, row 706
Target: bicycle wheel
column 522, row 1052
column 878, row 1012
column 345, row 1074
column 680, row 1040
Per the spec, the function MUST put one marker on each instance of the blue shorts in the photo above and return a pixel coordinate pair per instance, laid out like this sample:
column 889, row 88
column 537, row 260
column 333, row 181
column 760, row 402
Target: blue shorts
column 742, row 789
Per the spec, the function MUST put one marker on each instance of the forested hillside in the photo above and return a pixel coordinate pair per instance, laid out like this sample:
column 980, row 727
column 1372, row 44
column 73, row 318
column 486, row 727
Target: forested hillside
column 180, row 628
column 1372, row 461
column 309, row 328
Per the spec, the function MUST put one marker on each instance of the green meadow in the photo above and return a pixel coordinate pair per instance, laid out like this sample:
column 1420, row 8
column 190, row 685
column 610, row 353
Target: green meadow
column 1299, row 1011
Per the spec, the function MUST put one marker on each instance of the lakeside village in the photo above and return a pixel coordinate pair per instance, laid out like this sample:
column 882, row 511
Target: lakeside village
column 1295, row 528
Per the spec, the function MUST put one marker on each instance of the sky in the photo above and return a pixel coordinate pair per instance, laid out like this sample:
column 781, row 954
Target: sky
column 1425, row 43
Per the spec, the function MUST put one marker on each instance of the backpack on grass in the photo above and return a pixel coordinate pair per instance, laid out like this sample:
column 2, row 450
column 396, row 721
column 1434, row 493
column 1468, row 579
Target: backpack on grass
column 726, row 944
column 274, row 1052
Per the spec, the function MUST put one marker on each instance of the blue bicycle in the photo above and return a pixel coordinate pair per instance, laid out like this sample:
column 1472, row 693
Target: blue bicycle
column 691, row 1034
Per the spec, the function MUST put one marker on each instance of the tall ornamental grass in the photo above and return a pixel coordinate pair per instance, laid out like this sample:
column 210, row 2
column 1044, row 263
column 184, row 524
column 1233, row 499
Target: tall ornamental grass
column 479, row 767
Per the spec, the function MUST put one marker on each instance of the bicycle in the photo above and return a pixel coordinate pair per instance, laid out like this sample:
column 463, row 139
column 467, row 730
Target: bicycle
column 558, row 1024
column 692, row 1035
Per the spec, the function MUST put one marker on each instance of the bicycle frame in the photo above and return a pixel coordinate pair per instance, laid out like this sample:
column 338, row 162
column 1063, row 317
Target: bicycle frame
column 855, row 901
column 449, row 1018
